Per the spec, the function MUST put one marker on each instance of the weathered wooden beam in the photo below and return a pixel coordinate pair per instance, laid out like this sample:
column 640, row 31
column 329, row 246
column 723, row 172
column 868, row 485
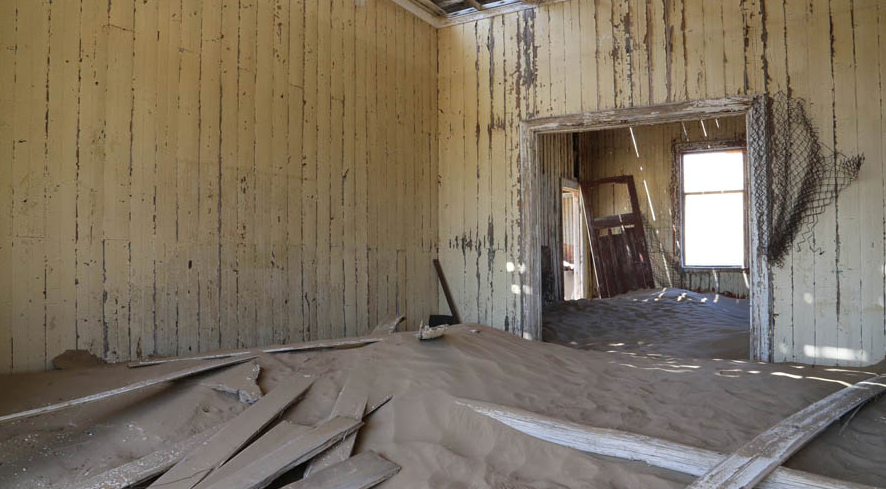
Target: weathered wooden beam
column 359, row 472
column 445, row 285
column 767, row 451
column 308, row 345
column 274, row 438
column 653, row 451
column 388, row 326
column 477, row 6
column 351, row 403
column 234, row 436
column 129, row 388
column 144, row 468
column 297, row 451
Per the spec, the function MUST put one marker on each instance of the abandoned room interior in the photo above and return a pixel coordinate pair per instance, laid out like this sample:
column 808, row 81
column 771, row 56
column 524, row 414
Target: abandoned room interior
column 443, row 244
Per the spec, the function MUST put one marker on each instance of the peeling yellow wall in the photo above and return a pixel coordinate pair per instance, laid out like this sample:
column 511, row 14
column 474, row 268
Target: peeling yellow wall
column 587, row 55
column 179, row 176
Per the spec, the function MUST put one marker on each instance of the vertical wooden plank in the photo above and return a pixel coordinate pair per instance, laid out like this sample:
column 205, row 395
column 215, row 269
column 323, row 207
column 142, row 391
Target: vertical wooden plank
column 28, row 205
column 658, row 67
column 8, row 20
column 264, row 221
column 297, row 316
column 166, row 269
column 849, row 344
column 869, row 124
column 63, row 91
column 324, row 169
column 677, row 63
column 605, row 48
column 714, row 50
column 207, row 256
column 309, row 174
column 587, row 28
column 373, row 161
column 143, row 212
column 188, row 158
column 278, row 169
column 484, row 166
column 824, row 293
column 229, row 191
column 695, row 44
column 363, row 41
column 246, row 205
column 335, row 315
column 350, row 238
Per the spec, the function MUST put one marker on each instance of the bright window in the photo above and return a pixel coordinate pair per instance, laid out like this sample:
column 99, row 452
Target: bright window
column 713, row 190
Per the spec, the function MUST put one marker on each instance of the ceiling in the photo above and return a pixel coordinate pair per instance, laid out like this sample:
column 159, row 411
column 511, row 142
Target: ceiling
column 455, row 8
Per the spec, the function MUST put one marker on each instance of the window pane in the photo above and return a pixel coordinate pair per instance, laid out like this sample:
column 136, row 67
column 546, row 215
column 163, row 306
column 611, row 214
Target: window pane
column 714, row 227
column 713, row 171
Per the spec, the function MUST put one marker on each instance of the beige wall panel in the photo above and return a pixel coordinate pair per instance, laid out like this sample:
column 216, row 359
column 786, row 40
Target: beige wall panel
column 186, row 214
column 829, row 312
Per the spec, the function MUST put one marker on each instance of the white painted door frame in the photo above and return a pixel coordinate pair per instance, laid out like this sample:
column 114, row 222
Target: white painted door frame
column 530, row 207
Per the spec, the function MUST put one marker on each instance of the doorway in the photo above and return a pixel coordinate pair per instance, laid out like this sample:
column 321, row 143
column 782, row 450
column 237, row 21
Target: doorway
column 756, row 271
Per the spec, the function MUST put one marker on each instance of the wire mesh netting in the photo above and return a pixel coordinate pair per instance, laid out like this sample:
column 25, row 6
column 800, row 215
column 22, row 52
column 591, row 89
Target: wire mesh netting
column 795, row 178
column 794, row 172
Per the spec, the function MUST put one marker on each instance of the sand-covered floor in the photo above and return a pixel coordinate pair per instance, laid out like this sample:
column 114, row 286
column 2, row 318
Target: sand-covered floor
column 672, row 322
column 711, row 404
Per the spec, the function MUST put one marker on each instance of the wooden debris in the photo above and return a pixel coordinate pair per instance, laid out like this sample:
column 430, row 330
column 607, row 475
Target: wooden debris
column 359, row 472
column 426, row 332
column 142, row 469
column 653, row 451
column 760, row 456
column 297, row 451
column 445, row 285
column 240, row 381
column 229, row 440
column 388, row 326
column 268, row 442
column 378, row 406
column 308, row 345
column 122, row 390
column 351, row 403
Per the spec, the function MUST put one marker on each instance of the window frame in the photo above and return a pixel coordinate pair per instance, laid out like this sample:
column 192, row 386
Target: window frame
column 684, row 148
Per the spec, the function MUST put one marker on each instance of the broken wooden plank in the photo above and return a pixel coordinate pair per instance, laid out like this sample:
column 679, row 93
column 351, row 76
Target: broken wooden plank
column 653, row 451
column 359, row 472
column 388, row 326
column 240, row 381
column 445, row 285
column 768, row 450
column 268, row 442
column 297, row 451
column 308, row 345
column 351, row 403
column 203, row 367
column 230, row 439
column 144, row 468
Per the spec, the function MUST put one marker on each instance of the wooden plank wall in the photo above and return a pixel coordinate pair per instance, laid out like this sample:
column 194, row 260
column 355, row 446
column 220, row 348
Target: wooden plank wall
column 611, row 153
column 587, row 55
column 557, row 159
column 179, row 176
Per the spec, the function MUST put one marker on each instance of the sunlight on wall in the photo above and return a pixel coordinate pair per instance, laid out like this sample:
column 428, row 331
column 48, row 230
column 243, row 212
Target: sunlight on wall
column 835, row 353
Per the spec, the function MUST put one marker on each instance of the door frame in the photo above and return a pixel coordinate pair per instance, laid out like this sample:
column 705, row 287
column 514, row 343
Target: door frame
column 761, row 324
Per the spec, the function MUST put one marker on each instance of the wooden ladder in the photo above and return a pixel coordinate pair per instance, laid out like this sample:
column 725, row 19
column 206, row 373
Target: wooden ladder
column 621, row 260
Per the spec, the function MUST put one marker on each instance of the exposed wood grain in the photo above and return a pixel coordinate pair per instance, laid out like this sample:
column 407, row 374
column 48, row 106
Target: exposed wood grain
column 361, row 471
column 309, row 345
column 217, row 450
column 159, row 173
column 267, row 442
column 388, row 326
column 296, row 451
column 653, row 451
column 767, row 451
column 351, row 403
column 128, row 388
column 142, row 469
